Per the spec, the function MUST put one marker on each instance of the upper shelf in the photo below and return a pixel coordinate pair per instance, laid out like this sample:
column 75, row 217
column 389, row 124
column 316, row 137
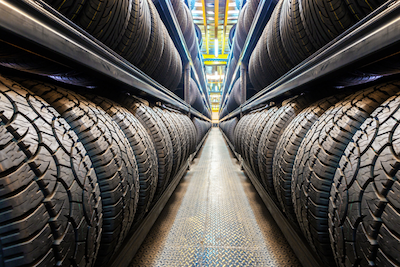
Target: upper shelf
column 168, row 16
column 42, row 26
column 376, row 33
column 261, row 18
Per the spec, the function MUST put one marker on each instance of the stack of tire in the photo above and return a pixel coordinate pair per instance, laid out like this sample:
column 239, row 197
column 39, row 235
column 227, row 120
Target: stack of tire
column 202, row 128
column 297, row 29
column 331, row 165
column 188, row 29
column 131, row 28
column 228, row 127
column 241, row 30
column 79, row 170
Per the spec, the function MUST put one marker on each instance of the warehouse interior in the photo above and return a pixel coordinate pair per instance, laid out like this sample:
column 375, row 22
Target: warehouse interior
column 199, row 133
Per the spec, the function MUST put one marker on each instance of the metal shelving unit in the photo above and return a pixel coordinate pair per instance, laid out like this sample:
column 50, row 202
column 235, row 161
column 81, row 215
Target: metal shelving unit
column 261, row 18
column 376, row 34
column 168, row 16
column 35, row 24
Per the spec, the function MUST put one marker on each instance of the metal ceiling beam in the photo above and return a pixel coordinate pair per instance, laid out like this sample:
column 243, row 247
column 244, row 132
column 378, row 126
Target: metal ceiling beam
column 203, row 5
column 225, row 24
column 216, row 16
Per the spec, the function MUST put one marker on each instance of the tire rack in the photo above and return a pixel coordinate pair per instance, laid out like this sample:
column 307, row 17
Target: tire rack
column 41, row 27
column 292, row 233
column 37, row 27
column 264, row 12
column 375, row 35
column 168, row 16
column 139, row 232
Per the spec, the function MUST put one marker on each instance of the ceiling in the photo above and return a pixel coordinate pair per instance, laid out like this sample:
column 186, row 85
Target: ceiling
column 215, row 19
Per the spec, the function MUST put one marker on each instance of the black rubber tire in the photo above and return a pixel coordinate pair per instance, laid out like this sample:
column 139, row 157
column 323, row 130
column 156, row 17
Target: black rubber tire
column 250, row 13
column 323, row 20
column 181, row 17
column 244, row 130
column 270, row 137
column 191, row 132
column 318, row 157
column 70, row 9
column 49, row 191
column 294, row 38
column 105, row 20
column 364, row 199
column 153, row 52
column 112, row 158
column 175, row 139
column 267, row 72
column 162, row 72
column 254, row 68
column 256, row 136
column 176, row 64
column 136, row 38
column 241, row 32
column 142, row 147
column 361, row 8
column 280, row 60
column 184, row 140
column 160, row 137
column 248, row 136
column 238, row 132
column 287, row 148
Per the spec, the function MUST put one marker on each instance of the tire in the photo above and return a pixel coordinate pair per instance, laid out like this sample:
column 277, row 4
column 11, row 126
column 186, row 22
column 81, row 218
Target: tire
column 248, row 136
column 70, row 9
column 142, row 147
column 280, row 60
column 244, row 130
column 176, row 64
column 318, row 158
column 136, row 38
column 111, row 156
column 324, row 20
column 268, row 72
column 153, row 52
column 254, row 66
column 49, row 191
column 238, row 133
column 270, row 137
column 191, row 132
column 163, row 72
column 160, row 137
column 288, row 147
column 294, row 38
column 177, row 120
column 361, row 8
column 175, row 139
column 105, row 20
column 265, row 116
column 250, row 14
column 363, row 205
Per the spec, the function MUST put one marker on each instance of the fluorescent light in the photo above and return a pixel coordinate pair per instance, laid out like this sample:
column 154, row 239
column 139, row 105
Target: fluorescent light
column 216, row 47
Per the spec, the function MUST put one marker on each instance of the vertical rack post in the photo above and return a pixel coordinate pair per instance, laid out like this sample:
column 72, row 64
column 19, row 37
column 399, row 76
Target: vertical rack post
column 186, row 82
column 243, row 83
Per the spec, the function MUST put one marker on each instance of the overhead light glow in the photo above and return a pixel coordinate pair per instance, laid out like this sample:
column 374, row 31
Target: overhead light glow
column 216, row 47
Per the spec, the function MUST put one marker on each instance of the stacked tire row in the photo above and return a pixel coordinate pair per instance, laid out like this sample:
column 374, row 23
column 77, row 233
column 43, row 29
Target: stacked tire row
column 77, row 171
column 185, row 20
column 202, row 127
column 131, row 28
column 241, row 30
column 196, row 100
column 331, row 165
column 228, row 127
column 297, row 29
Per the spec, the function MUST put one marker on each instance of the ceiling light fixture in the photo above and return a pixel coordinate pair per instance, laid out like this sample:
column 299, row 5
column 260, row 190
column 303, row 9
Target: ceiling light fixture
column 216, row 47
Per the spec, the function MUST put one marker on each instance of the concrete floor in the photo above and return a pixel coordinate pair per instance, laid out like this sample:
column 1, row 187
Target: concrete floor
column 215, row 218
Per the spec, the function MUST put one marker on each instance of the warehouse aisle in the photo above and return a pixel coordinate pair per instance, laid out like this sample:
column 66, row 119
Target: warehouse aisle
column 215, row 218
